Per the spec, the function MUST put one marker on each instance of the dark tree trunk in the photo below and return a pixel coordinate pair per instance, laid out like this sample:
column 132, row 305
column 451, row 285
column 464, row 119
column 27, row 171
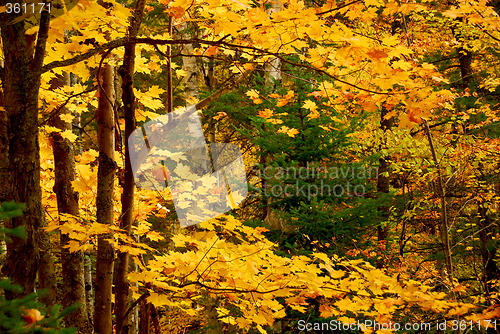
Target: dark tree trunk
column 488, row 250
column 122, row 264
column 383, row 185
column 4, row 166
column 465, row 58
column 21, row 84
column 144, row 312
column 4, row 149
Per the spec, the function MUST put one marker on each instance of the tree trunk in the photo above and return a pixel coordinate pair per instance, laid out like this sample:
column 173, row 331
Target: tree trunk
column 383, row 187
column 122, row 264
column 443, row 226
column 144, row 321
column 4, row 149
column 73, row 283
column 47, row 278
column 21, row 84
column 273, row 67
column 488, row 250
column 213, row 325
column 89, row 295
column 104, row 202
column 190, row 66
column 4, row 166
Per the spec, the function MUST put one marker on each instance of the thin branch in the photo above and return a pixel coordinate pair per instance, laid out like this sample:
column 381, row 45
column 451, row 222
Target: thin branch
column 90, row 137
column 43, row 34
column 197, row 265
column 440, row 60
column 134, row 304
column 339, row 7
column 88, row 122
column 414, row 132
column 119, row 42
column 58, row 110
column 122, row 41
column 444, row 214
column 487, row 33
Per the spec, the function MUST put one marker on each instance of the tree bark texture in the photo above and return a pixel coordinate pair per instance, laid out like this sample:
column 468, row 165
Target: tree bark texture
column 21, row 84
column 128, row 98
column 4, row 165
column 190, row 66
column 4, row 149
column 104, row 202
column 73, row 283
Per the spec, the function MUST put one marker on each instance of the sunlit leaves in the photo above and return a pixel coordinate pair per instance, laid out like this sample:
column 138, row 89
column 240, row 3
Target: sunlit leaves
column 288, row 131
column 259, row 275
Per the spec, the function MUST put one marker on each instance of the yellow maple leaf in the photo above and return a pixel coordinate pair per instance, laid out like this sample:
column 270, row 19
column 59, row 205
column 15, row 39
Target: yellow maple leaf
column 313, row 114
column 50, row 129
column 154, row 236
column 248, row 66
column 266, row 113
column 344, row 304
column 427, row 66
column 325, row 128
column 68, row 134
column 142, row 228
column 68, row 118
column 310, row 105
column 156, row 91
column 322, row 256
column 180, row 73
column 282, row 102
column 404, row 65
column 290, row 132
column 160, row 300
column 88, row 156
column 211, row 51
column 252, row 93
column 326, row 311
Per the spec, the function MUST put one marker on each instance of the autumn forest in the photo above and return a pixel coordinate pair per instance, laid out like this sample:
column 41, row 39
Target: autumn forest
column 249, row 166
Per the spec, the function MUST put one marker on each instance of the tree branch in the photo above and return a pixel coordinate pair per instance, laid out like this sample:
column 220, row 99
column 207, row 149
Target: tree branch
column 122, row 41
column 43, row 34
column 58, row 110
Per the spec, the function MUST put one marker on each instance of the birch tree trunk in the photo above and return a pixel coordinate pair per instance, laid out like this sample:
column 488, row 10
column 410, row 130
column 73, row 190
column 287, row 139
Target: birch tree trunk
column 104, row 202
column 190, row 66
column 273, row 67
column 272, row 75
